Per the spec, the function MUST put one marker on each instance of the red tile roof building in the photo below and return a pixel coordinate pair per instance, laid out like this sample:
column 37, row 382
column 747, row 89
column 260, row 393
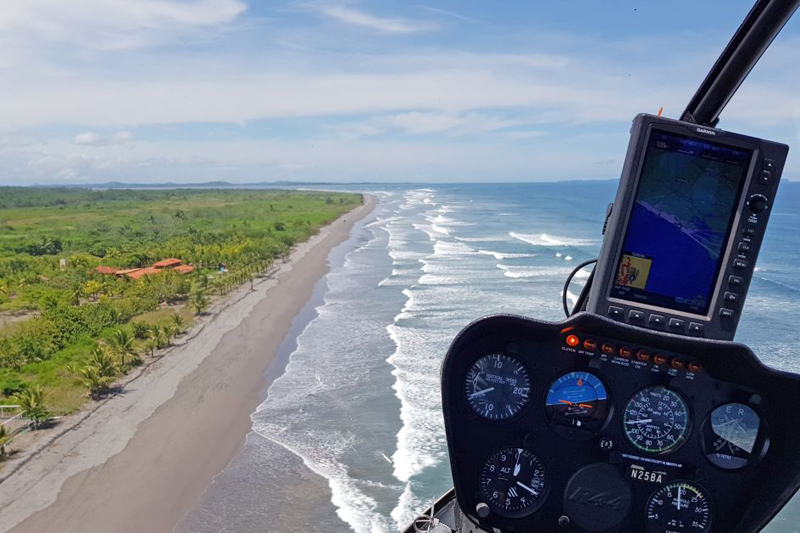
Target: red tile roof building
column 139, row 272
column 167, row 263
column 106, row 269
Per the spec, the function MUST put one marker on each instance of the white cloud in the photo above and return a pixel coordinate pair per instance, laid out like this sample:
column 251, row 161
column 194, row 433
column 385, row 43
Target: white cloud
column 89, row 138
column 356, row 17
column 12, row 139
column 430, row 122
column 329, row 159
column 451, row 14
column 122, row 137
column 110, row 24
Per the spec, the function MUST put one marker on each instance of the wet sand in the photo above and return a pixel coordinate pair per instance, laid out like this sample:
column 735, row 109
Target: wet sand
column 141, row 460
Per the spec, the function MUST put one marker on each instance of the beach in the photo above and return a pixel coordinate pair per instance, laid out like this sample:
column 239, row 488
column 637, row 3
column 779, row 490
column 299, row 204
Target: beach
column 139, row 461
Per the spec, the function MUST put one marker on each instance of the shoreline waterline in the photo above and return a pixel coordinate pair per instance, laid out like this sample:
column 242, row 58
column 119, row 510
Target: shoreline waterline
column 142, row 460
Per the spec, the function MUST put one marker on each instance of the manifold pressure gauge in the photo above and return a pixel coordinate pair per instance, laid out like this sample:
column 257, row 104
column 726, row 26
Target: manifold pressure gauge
column 679, row 508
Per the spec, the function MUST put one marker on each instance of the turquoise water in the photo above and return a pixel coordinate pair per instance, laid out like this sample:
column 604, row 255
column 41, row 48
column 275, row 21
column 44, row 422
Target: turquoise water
column 357, row 408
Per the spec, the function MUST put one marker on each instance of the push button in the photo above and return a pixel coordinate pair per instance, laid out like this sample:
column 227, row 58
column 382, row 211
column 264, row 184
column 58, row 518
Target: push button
column 676, row 324
column 731, row 297
column 735, row 281
column 741, row 264
column 636, row 317
column 744, row 247
column 655, row 321
column 696, row 329
column 617, row 313
column 726, row 313
column 765, row 178
column 769, row 164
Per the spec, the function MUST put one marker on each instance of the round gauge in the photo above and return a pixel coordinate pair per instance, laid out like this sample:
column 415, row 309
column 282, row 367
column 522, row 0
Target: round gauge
column 513, row 481
column 678, row 508
column 656, row 420
column 497, row 386
column 577, row 399
column 730, row 434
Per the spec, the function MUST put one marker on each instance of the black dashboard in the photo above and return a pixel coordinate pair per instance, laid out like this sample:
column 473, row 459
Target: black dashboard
column 591, row 425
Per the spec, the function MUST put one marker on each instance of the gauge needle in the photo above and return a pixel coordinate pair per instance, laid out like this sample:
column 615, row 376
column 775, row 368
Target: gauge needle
column 527, row 488
column 645, row 421
column 517, row 466
column 484, row 391
column 678, row 503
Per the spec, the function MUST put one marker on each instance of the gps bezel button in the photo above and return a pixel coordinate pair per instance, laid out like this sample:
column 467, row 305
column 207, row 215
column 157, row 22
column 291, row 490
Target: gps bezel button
column 731, row 297
column 735, row 281
column 677, row 324
column 656, row 321
column 616, row 313
column 696, row 329
column 635, row 317
column 726, row 313
column 741, row 264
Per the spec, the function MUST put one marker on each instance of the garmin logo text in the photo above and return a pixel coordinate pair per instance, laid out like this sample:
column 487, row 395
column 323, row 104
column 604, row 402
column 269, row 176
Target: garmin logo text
column 707, row 132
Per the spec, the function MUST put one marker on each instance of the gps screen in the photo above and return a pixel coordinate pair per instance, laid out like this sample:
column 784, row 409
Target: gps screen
column 683, row 211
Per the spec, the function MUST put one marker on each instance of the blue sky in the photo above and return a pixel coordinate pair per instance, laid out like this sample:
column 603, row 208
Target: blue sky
column 442, row 91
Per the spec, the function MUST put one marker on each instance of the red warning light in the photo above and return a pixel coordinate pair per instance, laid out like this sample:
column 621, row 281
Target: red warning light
column 573, row 340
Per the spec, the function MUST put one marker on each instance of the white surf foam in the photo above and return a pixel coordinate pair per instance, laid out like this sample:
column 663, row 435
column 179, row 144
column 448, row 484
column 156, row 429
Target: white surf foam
column 543, row 239
column 528, row 272
column 502, row 255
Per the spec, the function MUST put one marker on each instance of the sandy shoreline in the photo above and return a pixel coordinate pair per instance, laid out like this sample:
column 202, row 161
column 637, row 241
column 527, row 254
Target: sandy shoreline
column 140, row 461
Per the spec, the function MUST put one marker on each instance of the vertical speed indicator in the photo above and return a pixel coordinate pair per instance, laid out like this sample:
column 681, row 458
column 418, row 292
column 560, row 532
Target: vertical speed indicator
column 497, row 386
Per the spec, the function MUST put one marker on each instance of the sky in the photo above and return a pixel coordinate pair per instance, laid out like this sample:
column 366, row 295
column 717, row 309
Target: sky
column 186, row 91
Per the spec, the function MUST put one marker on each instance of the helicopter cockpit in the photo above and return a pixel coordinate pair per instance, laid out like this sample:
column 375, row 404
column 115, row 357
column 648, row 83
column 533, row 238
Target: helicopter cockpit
column 638, row 413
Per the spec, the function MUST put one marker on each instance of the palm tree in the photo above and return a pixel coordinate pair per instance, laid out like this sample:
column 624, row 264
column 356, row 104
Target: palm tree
column 92, row 288
column 4, row 439
column 31, row 403
column 198, row 302
column 150, row 346
column 103, row 361
column 122, row 343
column 93, row 380
column 75, row 297
column 170, row 331
column 177, row 321
column 158, row 335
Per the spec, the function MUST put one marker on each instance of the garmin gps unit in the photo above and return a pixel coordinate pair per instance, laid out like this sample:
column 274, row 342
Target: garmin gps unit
column 686, row 227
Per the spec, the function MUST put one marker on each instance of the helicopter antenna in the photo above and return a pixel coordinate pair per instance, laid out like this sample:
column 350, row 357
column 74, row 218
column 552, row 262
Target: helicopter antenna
column 765, row 20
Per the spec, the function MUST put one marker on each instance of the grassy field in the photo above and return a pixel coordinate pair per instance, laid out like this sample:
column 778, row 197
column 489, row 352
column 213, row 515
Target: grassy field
column 72, row 330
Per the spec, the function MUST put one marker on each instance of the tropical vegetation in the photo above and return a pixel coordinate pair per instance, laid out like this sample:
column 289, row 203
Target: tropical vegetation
column 68, row 331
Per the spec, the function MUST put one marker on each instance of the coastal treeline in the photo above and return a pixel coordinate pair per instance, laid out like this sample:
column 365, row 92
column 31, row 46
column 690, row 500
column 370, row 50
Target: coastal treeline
column 74, row 312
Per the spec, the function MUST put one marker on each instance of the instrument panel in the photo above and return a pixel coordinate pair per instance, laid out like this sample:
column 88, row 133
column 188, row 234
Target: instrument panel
column 591, row 426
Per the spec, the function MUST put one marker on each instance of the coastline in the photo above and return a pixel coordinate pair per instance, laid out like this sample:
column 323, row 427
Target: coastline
column 140, row 461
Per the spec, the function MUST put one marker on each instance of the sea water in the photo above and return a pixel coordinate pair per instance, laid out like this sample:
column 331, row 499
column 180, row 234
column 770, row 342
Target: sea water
column 350, row 436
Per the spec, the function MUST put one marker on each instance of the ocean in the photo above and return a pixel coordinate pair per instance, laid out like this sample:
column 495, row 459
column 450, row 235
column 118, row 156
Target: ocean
column 350, row 435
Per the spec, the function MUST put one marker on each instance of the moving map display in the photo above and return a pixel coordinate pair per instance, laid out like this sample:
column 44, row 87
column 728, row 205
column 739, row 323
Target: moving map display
column 682, row 214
